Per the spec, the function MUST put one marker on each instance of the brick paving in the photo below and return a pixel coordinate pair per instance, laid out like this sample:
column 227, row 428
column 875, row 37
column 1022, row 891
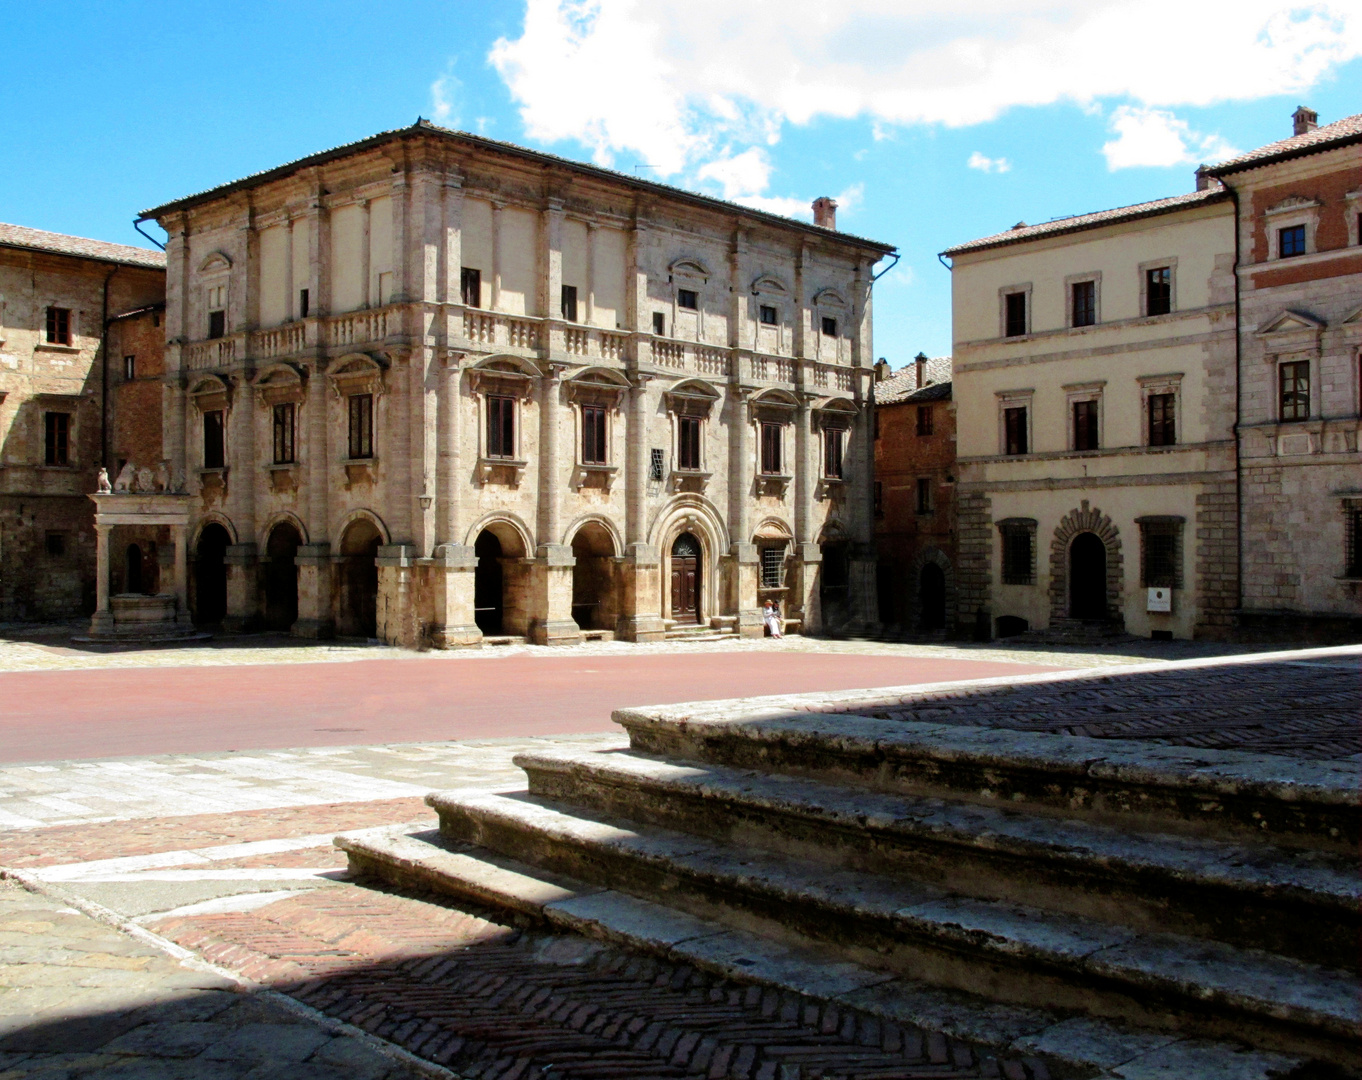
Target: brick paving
column 1300, row 708
column 490, row 1000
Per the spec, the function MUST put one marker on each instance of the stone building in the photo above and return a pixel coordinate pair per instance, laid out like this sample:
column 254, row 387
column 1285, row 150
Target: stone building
column 915, row 497
column 431, row 386
column 75, row 316
column 1094, row 382
column 1300, row 377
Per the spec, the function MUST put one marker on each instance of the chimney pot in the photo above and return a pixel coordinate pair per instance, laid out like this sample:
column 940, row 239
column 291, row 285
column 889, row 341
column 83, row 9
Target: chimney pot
column 1303, row 120
column 825, row 213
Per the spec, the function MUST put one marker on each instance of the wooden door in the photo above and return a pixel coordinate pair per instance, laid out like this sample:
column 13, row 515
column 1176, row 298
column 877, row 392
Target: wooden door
column 685, row 587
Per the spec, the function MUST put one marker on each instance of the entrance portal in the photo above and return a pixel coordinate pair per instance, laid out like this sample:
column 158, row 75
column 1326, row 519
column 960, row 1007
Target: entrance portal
column 932, row 597
column 210, row 575
column 593, row 606
column 489, row 608
column 281, row 577
column 358, row 607
column 686, row 579
column 1087, row 577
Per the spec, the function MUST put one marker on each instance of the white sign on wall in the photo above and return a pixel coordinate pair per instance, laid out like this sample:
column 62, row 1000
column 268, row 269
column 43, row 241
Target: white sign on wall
column 1160, row 599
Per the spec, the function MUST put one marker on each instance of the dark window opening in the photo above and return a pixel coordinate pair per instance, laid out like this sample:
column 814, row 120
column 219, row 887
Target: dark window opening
column 569, row 303
column 214, row 456
column 1015, row 314
column 59, row 326
column 500, row 426
column 924, row 495
column 688, row 442
column 659, row 324
column 285, row 415
column 770, row 448
column 833, row 444
column 1161, row 555
column 217, row 324
column 1158, row 285
column 1295, row 390
column 593, row 435
column 772, row 567
column 829, row 326
column 1162, row 429
column 1014, row 425
column 1018, row 560
column 1291, row 241
column 361, row 433
column 303, row 307
column 1085, row 425
column 767, row 314
column 1084, row 303
column 56, row 544
column 470, row 287
column 688, row 299
column 1353, row 540
column 925, row 420
column 57, row 438
column 129, row 368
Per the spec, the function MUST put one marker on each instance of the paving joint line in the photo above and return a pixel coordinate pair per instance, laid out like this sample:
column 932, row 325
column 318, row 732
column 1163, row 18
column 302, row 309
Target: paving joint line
column 241, row 984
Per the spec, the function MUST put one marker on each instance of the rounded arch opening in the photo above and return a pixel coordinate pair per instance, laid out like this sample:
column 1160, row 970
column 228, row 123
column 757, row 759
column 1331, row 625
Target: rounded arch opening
column 357, row 604
column 501, row 579
column 281, row 576
column 1087, row 577
column 687, row 559
column 594, row 584
column 210, row 574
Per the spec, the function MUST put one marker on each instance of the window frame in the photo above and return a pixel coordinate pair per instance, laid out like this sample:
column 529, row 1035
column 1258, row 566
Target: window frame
column 771, row 442
column 595, row 424
column 763, row 310
column 1166, row 424
column 1004, row 323
column 130, row 367
column 1162, row 527
column 359, row 414
column 1296, row 233
column 925, row 494
column 1145, row 269
column 58, row 426
column 684, row 295
column 1296, row 365
column 285, row 435
column 214, row 444
column 502, row 426
column 766, row 563
column 1294, row 214
column 690, row 443
column 927, row 429
column 470, row 282
column 1010, row 532
column 216, row 296
column 1085, row 394
column 1071, row 284
column 60, row 326
column 834, row 452
column 567, row 306
column 1009, row 400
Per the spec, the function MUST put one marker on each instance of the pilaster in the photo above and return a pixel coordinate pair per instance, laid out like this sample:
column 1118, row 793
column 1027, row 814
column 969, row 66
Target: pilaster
column 450, row 575
column 641, row 578
column 551, row 621
column 241, row 562
column 316, row 580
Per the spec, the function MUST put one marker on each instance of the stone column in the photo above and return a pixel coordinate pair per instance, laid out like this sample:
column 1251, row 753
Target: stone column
column 806, row 558
column 179, row 534
column 243, row 591
column 318, row 458
column 316, row 578
column 397, row 619
column 743, row 568
column 641, row 568
column 102, row 623
column 551, row 595
column 452, row 567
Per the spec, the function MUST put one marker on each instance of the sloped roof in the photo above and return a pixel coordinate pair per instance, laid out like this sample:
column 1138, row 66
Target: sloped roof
column 1079, row 222
column 902, row 388
column 426, row 128
column 1330, row 136
column 18, row 236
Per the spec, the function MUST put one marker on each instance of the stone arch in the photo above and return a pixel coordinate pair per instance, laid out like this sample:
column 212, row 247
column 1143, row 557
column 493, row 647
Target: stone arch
column 361, row 535
column 278, row 557
column 595, row 573
column 215, row 262
column 284, row 517
column 501, row 578
column 362, row 515
column 208, row 601
column 509, row 529
column 1086, row 519
column 694, row 514
column 931, row 556
column 213, row 518
column 770, row 285
column 507, row 362
column 616, row 540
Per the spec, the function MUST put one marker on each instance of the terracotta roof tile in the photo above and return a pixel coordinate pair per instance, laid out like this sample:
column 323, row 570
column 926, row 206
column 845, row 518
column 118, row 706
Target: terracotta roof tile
column 901, row 388
column 17, row 236
column 1343, row 131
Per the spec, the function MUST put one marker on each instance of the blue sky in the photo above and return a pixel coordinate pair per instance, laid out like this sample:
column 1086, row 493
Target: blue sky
column 1061, row 107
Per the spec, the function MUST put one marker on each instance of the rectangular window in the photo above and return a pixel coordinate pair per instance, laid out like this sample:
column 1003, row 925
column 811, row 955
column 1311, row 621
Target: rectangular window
column 1295, row 390
column 59, row 326
column 924, row 420
column 659, row 324
column 361, row 436
column 500, row 426
column 829, row 327
column 593, row 435
column 1084, row 303
column 1015, row 314
column 879, row 499
column 1291, row 241
column 1161, row 554
column 1014, row 426
column 688, row 442
column 833, row 443
column 1158, row 284
column 656, row 460
column 1017, row 560
column 924, row 495
column 1162, row 429
column 57, row 438
column 217, row 324
column 1085, row 425
column 303, row 308
column 129, row 368
column 1353, row 540
column 470, row 287
column 56, row 544
column 285, row 415
column 767, row 314
column 214, row 449
column 569, row 303
column 772, row 567
column 770, row 449
column 688, row 299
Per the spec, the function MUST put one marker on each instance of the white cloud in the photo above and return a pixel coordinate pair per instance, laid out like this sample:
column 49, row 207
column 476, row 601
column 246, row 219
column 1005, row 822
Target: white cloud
column 681, row 83
column 744, row 174
column 441, row 99
column 989, row 164
column 1156, row 137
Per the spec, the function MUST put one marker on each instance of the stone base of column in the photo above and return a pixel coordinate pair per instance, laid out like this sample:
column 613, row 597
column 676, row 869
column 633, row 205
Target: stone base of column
column 314, row 620
column 556, row 632
column 551, row 620
column 744, row 574
column 641, row 578
column 804, row 603
column 449, row 579
column 398, row 622
column 243, row 594
column 101, row 623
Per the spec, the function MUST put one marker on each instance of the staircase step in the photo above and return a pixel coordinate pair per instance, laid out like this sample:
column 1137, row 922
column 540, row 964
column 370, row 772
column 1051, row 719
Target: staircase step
column 1301, row 904
column 1224, row 794
column 1021, row 955
column 1068, row 1044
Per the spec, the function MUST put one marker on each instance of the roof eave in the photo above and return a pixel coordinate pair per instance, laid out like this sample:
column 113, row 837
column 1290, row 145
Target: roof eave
column 1285, row 155
column 10, row 244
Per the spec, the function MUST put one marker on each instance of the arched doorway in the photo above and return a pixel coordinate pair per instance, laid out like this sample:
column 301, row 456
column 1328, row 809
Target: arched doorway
column 1087, row 577
column 686, row 579
column 833, row 583
column 489, row 608
column 932, row 597
column 357, row 607
column 210, row 575
column 593, row 578
column 281, row 576
column 132, row 572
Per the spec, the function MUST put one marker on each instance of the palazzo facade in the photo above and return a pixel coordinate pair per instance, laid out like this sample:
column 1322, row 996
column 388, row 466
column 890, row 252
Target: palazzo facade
column 431, row 387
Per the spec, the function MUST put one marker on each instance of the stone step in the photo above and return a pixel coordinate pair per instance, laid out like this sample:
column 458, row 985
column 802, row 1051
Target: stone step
column 1019, row 955
column 1300, row 904
column 1223, row 794
column 1063, row 1044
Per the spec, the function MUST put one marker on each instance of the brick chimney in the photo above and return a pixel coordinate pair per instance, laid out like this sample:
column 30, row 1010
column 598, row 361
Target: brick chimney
column 882, row 369
column 921, row 361
column 1202, row 180
column 825, row 213
column 1303, row 120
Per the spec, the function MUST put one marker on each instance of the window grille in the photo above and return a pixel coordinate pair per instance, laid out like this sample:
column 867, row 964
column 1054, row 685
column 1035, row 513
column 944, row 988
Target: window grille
column 1352, row 540
column 772, row 567
column 656, row 464
column 1161, row 554
column 1018, row 543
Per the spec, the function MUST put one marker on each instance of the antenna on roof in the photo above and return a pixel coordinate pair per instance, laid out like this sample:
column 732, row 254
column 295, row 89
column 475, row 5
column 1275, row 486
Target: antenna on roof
column 637, row 167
